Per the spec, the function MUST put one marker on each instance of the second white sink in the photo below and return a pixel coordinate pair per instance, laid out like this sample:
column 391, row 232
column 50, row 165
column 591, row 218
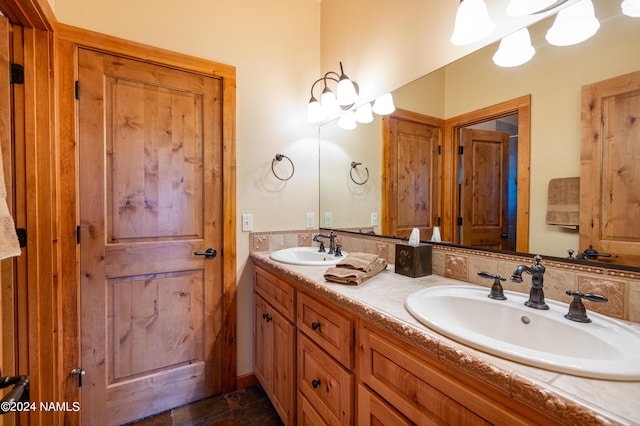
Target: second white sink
column 308, row 256
column 605, row 348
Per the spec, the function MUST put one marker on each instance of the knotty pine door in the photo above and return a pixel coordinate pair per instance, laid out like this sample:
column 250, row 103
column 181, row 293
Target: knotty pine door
column 150, row 197
column 484, row 189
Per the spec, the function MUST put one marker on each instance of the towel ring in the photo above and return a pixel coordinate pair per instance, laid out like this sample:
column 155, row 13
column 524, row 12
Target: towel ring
column 279, row 157
column 353, row 166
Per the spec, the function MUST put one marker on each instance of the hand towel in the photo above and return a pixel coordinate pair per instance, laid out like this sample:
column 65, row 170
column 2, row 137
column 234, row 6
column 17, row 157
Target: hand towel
column 9, row 245
column 564, row 202
column 355, row 269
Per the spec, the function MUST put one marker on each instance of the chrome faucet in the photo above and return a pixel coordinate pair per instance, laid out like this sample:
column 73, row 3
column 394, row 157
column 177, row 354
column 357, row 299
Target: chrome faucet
column 332, row 243
column 536, row 294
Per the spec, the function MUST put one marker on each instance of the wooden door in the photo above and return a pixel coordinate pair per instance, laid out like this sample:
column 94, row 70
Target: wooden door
column 411, row 169
column 610, row 168
column 484, row 189
column 150, row 198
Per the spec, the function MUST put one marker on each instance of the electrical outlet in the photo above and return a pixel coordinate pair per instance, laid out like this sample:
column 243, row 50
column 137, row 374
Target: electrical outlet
column 374, row 219
column 310, row 220
column 328, row 219
column 247, row 222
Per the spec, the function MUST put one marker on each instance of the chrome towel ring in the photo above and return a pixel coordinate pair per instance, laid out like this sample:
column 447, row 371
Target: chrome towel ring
column 279, row 157
column 353, row 166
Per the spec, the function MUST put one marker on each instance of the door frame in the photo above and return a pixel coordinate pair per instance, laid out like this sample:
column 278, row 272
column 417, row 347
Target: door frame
column 451, row 142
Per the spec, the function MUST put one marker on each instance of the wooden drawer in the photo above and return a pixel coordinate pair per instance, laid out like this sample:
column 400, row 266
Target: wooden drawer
column 373, row 410
column 406, row 383
column 425, row 390
column 276, row 292
column 331, row 330
column 326, row 385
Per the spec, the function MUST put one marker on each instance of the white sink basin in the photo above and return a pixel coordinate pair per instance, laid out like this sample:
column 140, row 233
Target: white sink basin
column 309, row 256
column 604, row 348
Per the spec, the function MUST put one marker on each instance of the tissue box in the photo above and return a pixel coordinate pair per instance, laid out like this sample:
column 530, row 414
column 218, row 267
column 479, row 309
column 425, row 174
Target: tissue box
column 413, row 261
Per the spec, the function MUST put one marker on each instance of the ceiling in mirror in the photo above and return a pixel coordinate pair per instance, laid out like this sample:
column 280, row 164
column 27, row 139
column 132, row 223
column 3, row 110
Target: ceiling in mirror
column 553, row 78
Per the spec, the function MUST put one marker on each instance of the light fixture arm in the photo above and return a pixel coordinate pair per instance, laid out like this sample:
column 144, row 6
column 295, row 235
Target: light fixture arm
column 323, row 79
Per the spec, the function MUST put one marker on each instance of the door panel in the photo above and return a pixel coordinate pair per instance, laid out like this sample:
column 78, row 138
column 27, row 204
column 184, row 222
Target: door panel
column 484, row 189
column 413, row 163
column 609, row 174
column 151, row 309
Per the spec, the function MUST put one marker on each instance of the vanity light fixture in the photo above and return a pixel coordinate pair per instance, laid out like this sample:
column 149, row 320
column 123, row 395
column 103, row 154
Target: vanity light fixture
column 364, row 113
column 515, row 49
column 631, row 8
column 573, row 24
column 330, row 103
column 472, row 24
column 347, row 120
column 384, row 105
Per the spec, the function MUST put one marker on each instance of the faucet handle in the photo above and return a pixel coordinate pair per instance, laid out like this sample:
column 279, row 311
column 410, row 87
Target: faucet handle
column 577, row 311
column 496, row 289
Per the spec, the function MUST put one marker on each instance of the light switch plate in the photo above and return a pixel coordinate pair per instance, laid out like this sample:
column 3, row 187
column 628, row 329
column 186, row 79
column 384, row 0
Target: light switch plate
column 247, row 222
column 310, row 220
column 328, row 219
column 374, row 219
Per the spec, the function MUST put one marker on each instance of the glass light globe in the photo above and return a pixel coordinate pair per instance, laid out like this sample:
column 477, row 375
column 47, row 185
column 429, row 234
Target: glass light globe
column 472, row 23
column 573, row 24
column 515, row 49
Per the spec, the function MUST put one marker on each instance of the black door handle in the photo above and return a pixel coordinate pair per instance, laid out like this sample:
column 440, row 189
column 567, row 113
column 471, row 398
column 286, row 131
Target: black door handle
column 210, row 253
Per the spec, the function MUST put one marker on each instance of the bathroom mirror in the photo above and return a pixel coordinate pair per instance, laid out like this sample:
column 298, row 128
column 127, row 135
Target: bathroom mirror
column 553, row 78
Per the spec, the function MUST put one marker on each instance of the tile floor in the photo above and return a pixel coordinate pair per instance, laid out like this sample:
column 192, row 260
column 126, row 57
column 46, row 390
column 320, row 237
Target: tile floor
column 246, row 407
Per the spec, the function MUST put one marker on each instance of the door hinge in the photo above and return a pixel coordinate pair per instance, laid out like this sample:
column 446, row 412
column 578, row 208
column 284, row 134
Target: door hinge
column 459, row 220
column 78, row 234
column 22, row 236
column 460, row 150
column 439, row 149
column 17, row 74
column 438, row 221
column 77, row 94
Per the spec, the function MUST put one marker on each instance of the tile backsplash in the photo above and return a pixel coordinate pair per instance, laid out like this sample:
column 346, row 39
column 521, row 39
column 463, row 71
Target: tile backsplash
column 621, row 287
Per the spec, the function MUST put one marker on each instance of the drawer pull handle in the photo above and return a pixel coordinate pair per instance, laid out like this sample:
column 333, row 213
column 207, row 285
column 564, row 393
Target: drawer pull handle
column 315, row 325
column 315, row 383
column 266, row 317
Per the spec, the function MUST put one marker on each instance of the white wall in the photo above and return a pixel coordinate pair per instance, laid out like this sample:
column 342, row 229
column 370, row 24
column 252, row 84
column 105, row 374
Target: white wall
column 275, row 47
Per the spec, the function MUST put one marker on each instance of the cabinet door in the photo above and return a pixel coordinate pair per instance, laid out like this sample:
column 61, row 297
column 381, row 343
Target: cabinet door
column 263, row 345
column 610, row 168
column 274, row 358
column 284, row 372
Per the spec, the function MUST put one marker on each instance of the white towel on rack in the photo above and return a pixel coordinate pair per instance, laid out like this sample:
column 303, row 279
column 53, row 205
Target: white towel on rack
column 9, row 245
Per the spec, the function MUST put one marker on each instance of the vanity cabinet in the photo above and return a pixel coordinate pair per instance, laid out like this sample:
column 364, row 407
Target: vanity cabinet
column 275, row 342
column 321, row 364
column 325, row 360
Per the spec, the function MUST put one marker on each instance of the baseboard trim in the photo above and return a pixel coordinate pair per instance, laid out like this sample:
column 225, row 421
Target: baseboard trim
column 246, row 380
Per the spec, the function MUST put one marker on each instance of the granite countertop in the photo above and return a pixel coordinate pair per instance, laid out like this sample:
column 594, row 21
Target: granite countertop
column 380, row 300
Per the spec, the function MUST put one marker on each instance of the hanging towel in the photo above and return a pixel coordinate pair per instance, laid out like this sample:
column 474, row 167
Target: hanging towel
column 9, row 245
column 355, row 268
column 564, row 202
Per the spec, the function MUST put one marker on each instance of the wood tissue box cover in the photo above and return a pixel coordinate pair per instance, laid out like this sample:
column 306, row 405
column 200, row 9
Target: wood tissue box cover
column 413, row 261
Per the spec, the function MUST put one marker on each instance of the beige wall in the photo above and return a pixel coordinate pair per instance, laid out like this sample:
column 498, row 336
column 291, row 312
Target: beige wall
column 275, row 47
